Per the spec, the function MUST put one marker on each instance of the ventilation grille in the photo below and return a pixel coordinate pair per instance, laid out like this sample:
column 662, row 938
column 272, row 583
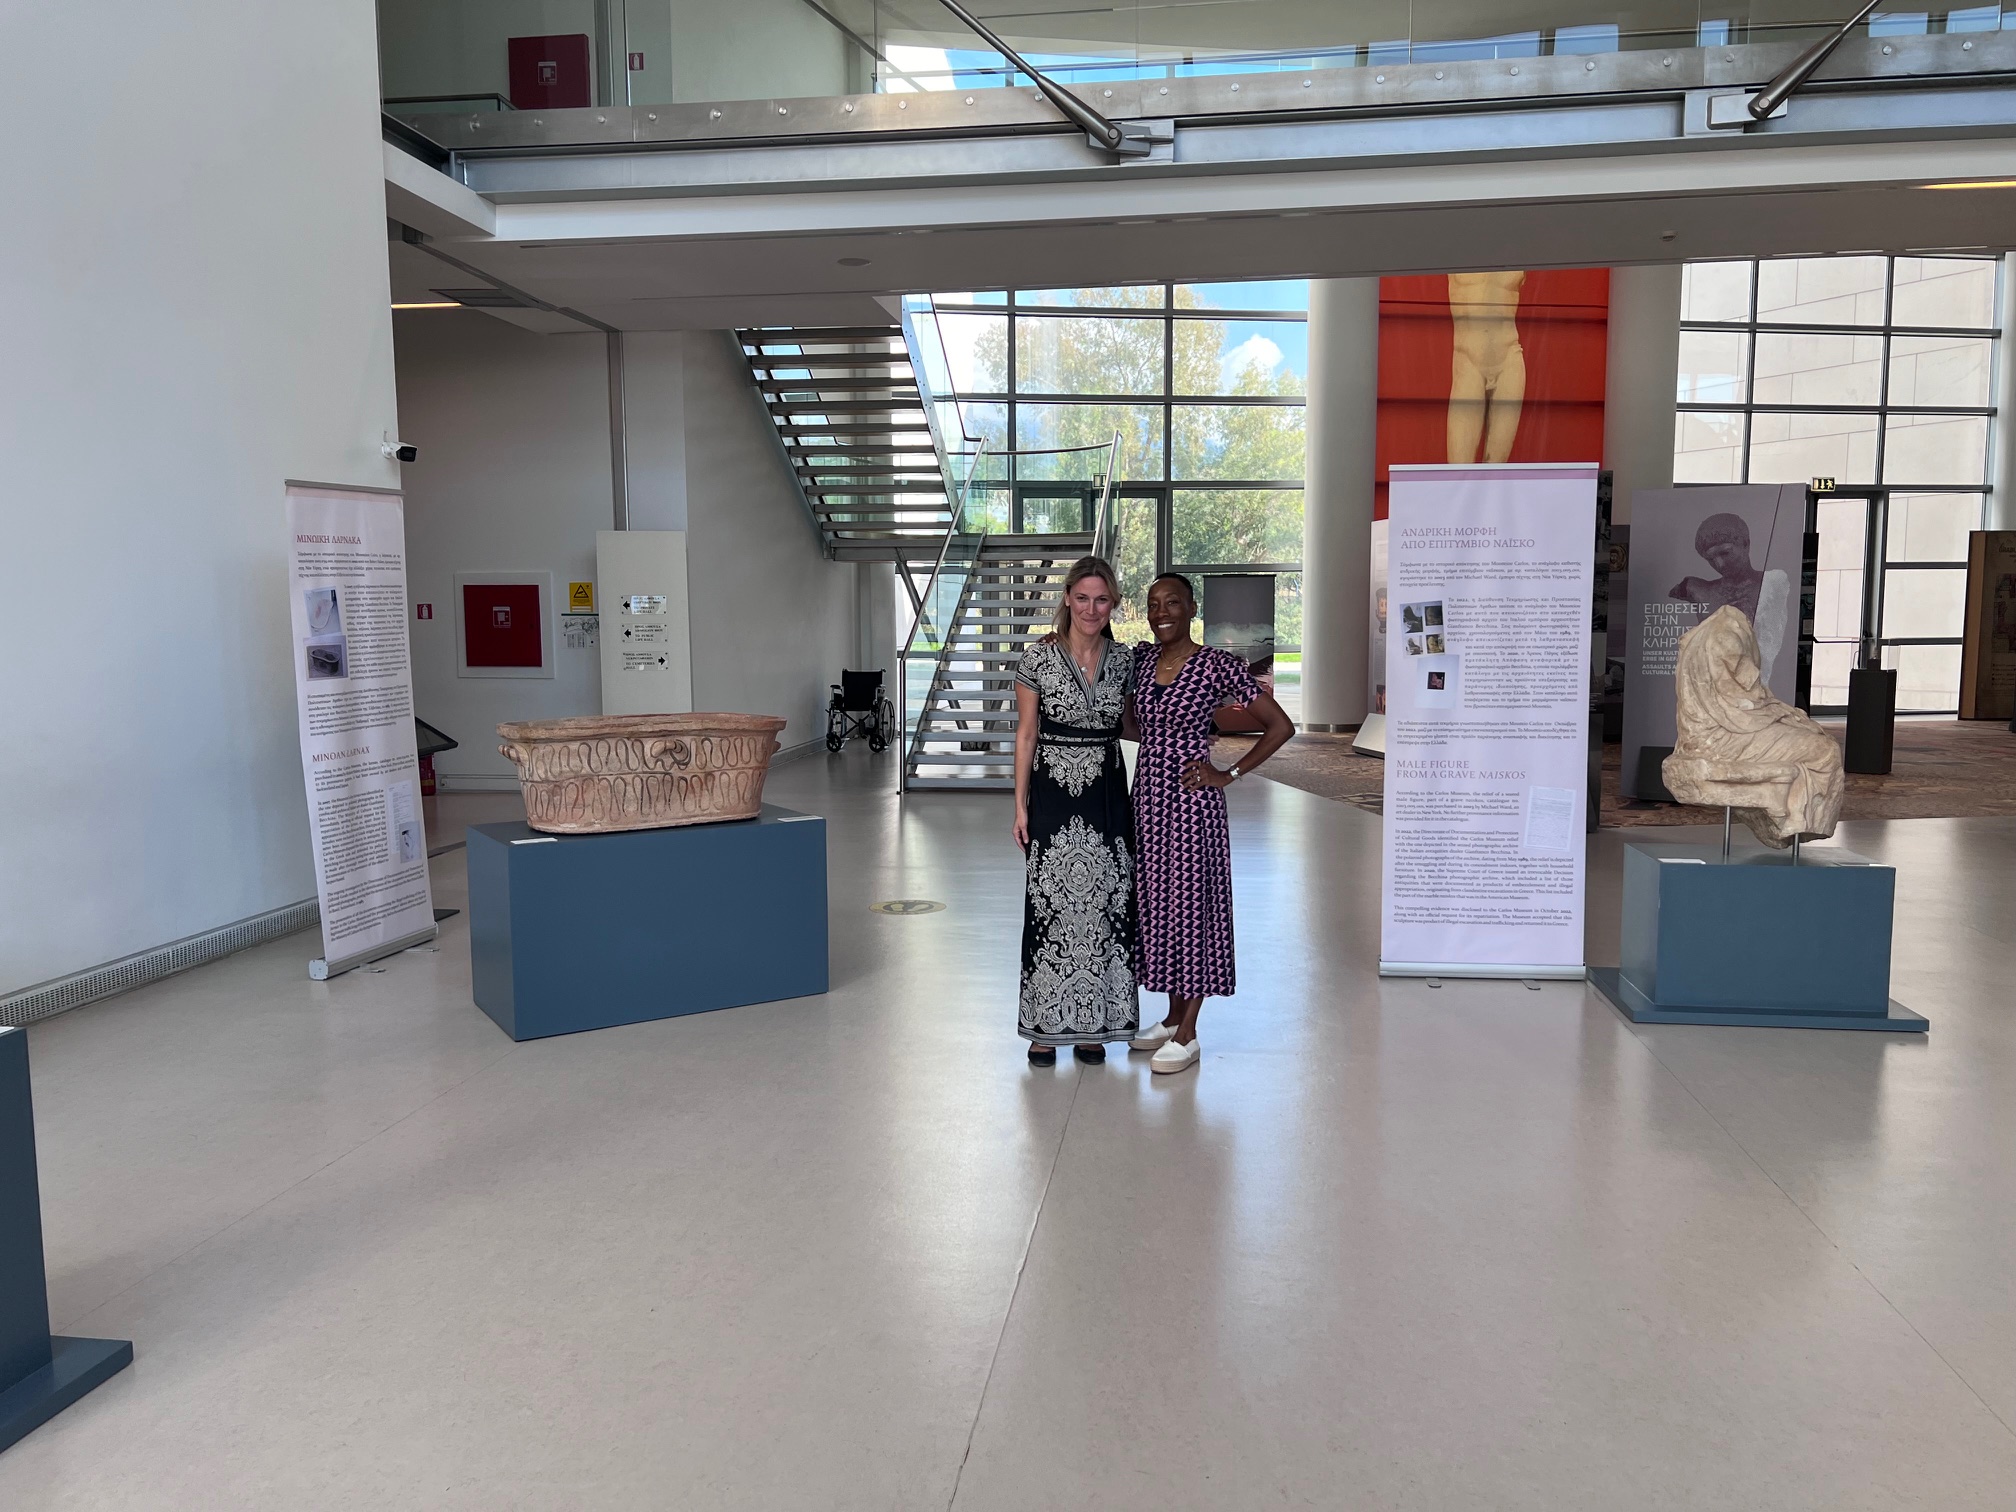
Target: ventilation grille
column 40, row 1002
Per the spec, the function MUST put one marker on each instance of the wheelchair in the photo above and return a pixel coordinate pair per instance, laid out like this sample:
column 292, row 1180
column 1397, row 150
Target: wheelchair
column 859, row 708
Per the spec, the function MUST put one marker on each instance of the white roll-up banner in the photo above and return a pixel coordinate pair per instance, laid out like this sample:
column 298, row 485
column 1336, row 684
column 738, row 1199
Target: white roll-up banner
column 1489, row 573
column 353, row 681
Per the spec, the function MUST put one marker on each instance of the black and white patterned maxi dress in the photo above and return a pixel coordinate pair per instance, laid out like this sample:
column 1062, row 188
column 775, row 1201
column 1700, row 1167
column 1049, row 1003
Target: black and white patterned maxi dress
column 1078, row 909
column 1183, row 846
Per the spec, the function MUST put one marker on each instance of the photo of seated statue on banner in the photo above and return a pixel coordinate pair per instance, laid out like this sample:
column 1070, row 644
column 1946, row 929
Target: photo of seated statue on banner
column 1764, row 596
column 1695, row 551
column 1739, row 747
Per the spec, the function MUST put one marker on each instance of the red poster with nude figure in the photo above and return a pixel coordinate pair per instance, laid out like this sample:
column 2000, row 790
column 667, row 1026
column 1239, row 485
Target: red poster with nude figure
column 1491, row 367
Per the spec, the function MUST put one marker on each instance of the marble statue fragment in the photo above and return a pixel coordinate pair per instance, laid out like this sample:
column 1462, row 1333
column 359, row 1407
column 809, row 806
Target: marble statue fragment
column 1740, row 747
column 1487, row 372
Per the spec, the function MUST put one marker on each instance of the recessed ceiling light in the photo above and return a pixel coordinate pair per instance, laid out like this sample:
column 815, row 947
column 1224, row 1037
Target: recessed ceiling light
column 1976, row 184
column 853, row 262
column 439, row 304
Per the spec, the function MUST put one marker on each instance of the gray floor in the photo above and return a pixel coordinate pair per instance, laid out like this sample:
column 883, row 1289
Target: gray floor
column 1388, row 1247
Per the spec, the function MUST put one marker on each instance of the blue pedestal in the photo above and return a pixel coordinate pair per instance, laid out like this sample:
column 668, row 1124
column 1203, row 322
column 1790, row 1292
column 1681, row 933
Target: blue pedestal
column 572, row 932
column 39, row 1375
column 1755, row 941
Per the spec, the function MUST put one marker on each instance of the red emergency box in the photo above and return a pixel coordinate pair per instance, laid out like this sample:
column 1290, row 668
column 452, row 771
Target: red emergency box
column 551, row 73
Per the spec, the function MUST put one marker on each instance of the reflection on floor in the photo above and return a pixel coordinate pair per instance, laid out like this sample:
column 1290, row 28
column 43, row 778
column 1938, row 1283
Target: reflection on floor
column 1387, row 1247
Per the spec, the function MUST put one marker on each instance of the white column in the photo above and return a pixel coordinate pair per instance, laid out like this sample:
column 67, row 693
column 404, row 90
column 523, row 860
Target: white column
column 2001, row 513
column 1638, row 391
column 1337, row 501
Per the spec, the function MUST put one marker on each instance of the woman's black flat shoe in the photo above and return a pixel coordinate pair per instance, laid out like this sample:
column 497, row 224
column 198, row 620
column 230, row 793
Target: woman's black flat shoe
column 1042, row 1055
column 1092, row 1055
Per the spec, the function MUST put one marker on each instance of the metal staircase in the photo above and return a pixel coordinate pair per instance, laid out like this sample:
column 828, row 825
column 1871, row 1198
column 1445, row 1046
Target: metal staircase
column 847, row 407
column 888, row 464
column 965, row 737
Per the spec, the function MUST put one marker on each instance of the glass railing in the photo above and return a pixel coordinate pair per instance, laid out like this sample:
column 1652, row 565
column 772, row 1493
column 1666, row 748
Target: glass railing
column 937, row 612
column 463, row 56
column 965, row 463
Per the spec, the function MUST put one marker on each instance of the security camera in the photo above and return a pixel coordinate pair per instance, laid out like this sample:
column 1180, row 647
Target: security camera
column 400, row 451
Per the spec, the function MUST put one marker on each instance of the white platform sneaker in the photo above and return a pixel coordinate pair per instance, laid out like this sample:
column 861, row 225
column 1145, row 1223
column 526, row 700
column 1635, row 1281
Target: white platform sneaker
column 1151, row 1037
column 1175, row 1057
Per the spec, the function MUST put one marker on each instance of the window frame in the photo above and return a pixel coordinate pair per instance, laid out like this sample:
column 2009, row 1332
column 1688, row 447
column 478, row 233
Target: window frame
column 1164, row 486
column 1888, row 331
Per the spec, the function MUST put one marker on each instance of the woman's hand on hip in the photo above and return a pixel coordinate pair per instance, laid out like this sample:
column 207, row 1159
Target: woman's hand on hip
column 1022, row 825
column 1201, row 774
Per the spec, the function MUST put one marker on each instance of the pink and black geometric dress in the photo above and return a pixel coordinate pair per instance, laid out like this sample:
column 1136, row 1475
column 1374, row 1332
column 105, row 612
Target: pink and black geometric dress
column 1182, row 848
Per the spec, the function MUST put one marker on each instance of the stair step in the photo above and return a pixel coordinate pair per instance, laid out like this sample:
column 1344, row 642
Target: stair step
column 891, row 383
column 788, row 428
column 810, row 362
column 892, row 470
column 876, row 488
column 816, row 335
column 959, row 784
column 898, row 409
column 808, row 453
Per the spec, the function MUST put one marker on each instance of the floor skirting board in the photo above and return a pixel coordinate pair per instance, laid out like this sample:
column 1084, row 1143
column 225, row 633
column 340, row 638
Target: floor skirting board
column 81, row 987
column 803, row 748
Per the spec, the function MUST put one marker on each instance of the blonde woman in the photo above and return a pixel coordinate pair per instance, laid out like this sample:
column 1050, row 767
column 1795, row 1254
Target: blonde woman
column 1075, row 827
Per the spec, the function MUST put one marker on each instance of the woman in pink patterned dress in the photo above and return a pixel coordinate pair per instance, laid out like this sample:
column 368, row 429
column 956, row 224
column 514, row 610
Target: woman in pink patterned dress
column 1183, row 857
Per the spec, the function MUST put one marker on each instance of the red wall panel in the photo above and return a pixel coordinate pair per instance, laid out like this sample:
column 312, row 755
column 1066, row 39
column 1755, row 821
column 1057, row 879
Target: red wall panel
column 551, row 73
column 500, row 624
column 1563, row 326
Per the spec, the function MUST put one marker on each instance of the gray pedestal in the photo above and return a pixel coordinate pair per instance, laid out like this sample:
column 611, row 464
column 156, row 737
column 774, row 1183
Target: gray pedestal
column 573, row 932
column 1755, row 941
column 40, row 1375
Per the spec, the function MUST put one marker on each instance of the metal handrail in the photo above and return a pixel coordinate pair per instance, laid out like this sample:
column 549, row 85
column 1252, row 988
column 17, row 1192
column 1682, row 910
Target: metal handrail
column 915, row 747
column 1102, row 521
column 1103, row 132
column 944, row 548
column 1801, row 68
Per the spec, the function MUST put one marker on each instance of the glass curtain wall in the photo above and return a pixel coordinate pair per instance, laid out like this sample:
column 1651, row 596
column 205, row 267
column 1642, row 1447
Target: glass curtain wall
column 1868, row 370
column 1204, row 382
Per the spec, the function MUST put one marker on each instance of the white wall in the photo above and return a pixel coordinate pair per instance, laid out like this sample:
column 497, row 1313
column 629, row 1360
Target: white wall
column 513, row 476
column 198, row 312
column 513, row 431
column 693, row 50
column 438, row 47
column 772, row 619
